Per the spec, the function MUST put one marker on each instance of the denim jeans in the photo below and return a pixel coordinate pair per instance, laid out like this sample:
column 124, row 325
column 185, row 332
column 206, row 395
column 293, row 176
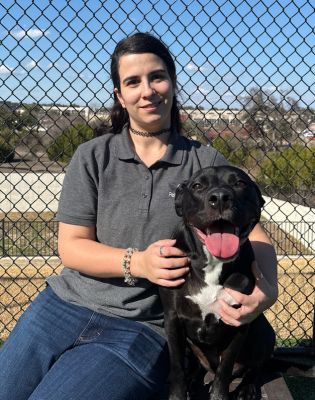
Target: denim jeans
column 61, row 351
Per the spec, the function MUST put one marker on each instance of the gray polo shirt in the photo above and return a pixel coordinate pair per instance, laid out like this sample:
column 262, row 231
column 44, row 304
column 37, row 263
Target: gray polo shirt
column 131, row 205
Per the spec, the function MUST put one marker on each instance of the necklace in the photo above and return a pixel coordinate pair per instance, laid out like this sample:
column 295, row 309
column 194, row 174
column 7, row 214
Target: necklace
column 149, row 134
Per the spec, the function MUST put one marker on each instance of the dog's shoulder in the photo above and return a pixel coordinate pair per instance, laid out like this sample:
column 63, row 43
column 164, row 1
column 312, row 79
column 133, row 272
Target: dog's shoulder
column 239, row 275
column 246, row 254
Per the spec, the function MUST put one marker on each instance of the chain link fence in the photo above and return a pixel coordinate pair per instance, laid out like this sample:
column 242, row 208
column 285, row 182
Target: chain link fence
column 246, row 84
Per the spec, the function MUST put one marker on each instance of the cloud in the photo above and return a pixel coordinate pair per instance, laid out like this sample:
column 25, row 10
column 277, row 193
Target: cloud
column 270, row 88
column 204, row 90
column 51, row 65
column 191, row 67
column 5, row 70
column 32, row 33
column 32, row 64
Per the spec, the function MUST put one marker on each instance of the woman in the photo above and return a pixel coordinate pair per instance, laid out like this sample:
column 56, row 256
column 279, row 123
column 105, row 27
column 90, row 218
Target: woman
column 96, row 331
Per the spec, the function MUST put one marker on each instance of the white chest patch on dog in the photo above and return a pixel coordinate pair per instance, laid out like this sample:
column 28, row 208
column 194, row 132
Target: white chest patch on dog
column 207, row 298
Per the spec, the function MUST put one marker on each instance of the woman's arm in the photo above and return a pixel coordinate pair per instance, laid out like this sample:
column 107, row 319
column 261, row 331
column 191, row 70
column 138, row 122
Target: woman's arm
column 265, row 292
column 79, row 250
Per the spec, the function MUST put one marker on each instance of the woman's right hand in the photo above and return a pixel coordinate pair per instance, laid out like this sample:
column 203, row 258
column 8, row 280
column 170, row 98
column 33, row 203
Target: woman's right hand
column 161, row 263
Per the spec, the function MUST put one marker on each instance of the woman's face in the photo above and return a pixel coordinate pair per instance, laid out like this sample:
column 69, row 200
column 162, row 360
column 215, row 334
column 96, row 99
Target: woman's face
column 146, row 91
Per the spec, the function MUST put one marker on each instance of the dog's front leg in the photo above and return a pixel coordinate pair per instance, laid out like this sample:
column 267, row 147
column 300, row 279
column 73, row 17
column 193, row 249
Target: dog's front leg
column 220, row 386
column 176, row 343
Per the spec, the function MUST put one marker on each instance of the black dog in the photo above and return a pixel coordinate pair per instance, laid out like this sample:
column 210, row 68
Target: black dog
column 219, row 207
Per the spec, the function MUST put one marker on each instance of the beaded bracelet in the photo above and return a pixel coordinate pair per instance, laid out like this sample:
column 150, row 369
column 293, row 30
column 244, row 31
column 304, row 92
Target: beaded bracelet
column 129, row 279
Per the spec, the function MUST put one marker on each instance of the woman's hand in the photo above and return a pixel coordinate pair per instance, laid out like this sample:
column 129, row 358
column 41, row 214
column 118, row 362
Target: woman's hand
column 262, row 297
column 161, row 263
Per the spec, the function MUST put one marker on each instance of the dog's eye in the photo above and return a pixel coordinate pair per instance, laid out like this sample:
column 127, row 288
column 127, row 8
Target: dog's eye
column 240, row 184
column 196, row 186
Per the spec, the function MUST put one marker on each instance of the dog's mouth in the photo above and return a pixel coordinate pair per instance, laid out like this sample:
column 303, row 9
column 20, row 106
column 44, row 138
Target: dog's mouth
column 221, row 239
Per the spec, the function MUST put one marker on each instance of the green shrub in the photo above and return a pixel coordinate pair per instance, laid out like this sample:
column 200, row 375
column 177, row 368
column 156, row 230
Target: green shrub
column 239, row 156
column 6, row 151
column 292, row 168
column 238, row 153
column 65, row 145
column 255, row 155
column 222, row 145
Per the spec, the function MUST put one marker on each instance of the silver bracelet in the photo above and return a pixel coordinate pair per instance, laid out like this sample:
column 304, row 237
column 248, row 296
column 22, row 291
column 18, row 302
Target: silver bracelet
column 129, row 279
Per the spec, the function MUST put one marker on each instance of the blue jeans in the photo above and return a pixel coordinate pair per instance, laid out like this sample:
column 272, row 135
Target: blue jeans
column 60, row 351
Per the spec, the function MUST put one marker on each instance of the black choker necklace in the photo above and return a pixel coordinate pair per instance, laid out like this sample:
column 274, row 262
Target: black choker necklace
column 149, row 134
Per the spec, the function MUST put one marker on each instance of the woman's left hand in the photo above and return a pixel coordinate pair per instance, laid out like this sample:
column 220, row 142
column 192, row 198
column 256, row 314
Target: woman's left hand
column 252, row 305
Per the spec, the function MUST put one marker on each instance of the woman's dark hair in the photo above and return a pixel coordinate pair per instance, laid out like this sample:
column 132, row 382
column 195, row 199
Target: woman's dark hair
column 140, row 43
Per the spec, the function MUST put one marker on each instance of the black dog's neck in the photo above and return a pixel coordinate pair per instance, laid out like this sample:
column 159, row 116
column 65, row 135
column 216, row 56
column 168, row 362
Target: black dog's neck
column 187, row 241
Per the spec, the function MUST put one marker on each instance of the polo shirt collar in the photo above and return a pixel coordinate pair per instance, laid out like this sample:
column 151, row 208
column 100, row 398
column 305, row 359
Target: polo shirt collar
column 174, row 153
column 124, row 150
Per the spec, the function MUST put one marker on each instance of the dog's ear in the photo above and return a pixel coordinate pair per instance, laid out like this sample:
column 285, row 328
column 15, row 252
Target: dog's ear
column 179, row 198
column 260, row 198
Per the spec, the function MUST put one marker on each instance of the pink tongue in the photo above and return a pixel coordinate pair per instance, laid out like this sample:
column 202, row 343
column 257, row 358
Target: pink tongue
column 222, row 245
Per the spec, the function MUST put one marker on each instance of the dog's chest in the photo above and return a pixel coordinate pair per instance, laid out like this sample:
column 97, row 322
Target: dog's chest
column 207, row 298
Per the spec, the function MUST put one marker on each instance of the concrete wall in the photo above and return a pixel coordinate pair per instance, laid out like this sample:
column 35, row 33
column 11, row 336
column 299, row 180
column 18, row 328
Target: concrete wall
column 30, row 191
column 298, row 221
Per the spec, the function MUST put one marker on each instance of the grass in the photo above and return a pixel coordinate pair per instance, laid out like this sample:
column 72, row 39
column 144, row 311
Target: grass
column 31, row 234
column 293, row 342
column 292, row 315
column 28, row 234
column 29, row 238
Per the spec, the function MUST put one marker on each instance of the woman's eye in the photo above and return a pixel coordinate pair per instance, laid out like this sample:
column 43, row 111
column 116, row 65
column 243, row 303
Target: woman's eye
column 132, row 82
column 158, row 77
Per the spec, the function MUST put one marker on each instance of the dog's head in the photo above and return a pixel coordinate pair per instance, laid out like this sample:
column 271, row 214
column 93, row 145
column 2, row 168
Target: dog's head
column 221, row 205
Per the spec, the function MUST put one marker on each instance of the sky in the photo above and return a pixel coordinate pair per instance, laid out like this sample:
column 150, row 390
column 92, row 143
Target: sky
column 59, row 51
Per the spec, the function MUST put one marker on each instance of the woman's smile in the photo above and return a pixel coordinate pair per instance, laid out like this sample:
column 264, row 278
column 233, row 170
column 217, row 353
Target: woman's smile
column 151, row 107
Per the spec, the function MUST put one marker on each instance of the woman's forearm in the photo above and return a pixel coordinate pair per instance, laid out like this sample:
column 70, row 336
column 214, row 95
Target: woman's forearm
column 266, row 258
column 79, row 250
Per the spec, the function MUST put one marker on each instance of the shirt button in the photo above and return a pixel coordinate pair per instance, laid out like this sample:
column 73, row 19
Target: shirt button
column 144, row 195
column 147, row 177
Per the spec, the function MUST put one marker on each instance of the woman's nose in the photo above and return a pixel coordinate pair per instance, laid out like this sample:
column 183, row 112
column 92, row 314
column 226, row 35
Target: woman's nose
column 147, row 89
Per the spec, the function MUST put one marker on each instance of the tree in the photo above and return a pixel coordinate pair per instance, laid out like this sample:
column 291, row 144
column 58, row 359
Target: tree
column 14, row 124
column 192, row 130
column 17, row 118
column 292, row 168
column 238, row 153
column 6, row 146
column 222, row 145
column 269, row 118
column 65, row 145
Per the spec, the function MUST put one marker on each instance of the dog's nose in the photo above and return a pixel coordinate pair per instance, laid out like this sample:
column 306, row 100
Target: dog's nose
column 220, row 199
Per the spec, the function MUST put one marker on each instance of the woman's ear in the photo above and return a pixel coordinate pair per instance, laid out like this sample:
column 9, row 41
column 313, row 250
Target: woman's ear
column 119, row 97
